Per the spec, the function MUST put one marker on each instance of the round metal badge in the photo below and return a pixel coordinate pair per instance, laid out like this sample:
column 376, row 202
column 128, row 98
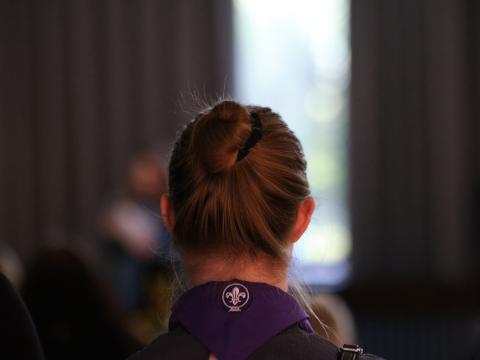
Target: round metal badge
column 235, row 296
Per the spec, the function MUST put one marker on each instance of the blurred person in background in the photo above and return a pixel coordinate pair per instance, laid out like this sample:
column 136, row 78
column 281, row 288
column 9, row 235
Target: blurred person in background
column 134, row 239
column 18, row 336
column 10, row 264
column 76, row 316
column 334, row 319
column 152, row 317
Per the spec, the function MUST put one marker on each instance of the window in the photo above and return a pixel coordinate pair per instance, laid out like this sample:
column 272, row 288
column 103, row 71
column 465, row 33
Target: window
column 295, row 58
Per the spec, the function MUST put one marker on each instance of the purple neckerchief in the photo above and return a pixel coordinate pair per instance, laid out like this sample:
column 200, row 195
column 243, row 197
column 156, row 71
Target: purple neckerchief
column 232, row 319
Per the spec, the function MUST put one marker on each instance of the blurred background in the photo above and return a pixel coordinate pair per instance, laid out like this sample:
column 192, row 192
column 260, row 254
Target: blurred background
column 384, row 96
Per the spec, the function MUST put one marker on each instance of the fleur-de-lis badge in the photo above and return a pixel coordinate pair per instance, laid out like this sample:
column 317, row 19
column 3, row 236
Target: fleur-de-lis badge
column 235, row 296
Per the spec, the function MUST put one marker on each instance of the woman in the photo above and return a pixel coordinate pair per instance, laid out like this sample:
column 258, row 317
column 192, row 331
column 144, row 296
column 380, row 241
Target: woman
column 238, row 201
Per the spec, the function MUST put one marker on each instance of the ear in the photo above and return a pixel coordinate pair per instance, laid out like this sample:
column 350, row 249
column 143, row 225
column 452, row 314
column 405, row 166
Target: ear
column 168, row 215
column 304, row 215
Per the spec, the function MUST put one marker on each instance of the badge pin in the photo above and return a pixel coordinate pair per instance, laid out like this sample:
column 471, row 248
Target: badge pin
column 235, row 296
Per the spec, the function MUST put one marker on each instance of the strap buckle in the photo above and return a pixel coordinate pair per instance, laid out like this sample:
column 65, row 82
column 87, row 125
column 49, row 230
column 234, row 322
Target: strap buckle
column 349, row 352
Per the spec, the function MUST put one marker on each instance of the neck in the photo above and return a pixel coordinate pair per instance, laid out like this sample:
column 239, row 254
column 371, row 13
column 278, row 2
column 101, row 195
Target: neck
column 202, row 269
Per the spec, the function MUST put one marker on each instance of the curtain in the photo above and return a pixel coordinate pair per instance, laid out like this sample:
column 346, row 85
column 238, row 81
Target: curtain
column 84, row 84
column 414, row 140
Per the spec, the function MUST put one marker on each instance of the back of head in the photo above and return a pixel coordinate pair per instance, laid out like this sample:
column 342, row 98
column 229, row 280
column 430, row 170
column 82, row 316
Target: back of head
column 73, row 313
column 237, row 175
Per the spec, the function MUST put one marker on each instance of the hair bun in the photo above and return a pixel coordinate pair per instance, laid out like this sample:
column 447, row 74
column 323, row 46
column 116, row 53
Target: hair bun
column 229, row 110
column 219, row 134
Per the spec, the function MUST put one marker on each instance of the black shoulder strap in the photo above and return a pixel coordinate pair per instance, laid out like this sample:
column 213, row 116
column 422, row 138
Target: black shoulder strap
column 349, row 352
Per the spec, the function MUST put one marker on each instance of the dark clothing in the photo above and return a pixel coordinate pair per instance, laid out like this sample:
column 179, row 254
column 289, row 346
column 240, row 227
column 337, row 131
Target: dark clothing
column 292, row 343
column 239, row 320
column 18, row 337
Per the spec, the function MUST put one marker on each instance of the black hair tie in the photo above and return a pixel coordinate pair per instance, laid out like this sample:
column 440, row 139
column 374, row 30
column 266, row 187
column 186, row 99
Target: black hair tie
column 254, row 137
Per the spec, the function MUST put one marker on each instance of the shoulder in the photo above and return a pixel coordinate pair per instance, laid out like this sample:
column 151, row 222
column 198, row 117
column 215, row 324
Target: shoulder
column 177, row 344
column 292, row 343
column 295, row 343
column 18, row 336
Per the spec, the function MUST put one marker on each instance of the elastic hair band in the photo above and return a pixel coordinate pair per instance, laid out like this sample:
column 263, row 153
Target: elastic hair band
column 254, row 137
